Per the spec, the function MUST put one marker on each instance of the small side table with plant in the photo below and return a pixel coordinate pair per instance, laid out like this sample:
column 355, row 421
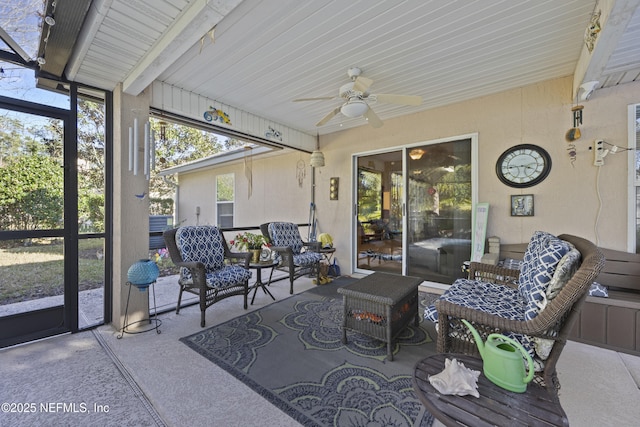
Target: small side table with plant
column 250, row 242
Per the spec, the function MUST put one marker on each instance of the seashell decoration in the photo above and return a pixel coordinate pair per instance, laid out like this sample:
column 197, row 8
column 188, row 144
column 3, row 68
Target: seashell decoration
column 456, row 379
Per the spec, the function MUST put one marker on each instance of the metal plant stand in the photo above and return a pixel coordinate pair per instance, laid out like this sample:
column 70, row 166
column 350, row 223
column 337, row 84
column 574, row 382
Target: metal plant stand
column 152, row 321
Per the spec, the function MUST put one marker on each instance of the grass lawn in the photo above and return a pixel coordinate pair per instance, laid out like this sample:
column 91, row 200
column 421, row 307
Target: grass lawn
column 37, row 270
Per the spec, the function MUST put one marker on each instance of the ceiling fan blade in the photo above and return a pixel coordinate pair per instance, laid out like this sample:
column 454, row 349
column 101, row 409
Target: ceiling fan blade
column 314, row 99
column 328, row 117
column 373, row 118
column 362, row 84
column 399, row 99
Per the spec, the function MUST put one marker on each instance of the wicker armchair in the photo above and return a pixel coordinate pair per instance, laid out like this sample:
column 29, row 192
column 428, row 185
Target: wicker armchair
column 554, row 322
column 205, row 272
column 297, row 257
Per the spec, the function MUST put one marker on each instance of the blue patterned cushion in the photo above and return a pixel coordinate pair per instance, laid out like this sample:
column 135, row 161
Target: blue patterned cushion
column 286, row 234
column 598, row 290
column 538, row 266
column 306, row 259
column 229, row 275
column 205, row 244
column 503, row 301
column 567, row 266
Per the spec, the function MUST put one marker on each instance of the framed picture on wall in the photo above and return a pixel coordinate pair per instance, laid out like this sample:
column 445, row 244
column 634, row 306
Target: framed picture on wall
column 522, row 205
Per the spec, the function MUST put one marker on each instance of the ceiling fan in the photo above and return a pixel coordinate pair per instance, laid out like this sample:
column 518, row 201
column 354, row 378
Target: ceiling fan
column 356, row 95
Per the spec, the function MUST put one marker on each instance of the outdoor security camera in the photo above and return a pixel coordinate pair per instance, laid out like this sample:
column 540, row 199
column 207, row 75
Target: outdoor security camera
column 586, row 89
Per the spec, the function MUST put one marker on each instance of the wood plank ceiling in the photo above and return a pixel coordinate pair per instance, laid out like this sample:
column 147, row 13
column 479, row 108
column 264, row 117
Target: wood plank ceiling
column 262, row 54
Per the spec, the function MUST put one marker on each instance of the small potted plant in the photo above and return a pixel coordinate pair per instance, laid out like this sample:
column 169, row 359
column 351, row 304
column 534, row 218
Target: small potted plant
column 250, row 242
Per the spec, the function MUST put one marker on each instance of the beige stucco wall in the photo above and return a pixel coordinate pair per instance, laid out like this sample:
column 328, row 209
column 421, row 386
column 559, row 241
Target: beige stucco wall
column 566, row 202
column 276, row 192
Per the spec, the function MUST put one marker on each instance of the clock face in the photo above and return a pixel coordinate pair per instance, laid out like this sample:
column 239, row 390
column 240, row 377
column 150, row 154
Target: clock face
column 523, row 166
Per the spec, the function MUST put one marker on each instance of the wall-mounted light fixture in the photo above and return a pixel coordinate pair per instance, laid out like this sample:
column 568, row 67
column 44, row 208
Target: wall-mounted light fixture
column 334, row 184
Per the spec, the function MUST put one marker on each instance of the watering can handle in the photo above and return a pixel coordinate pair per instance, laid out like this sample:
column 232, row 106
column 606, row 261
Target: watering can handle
column 519, row 346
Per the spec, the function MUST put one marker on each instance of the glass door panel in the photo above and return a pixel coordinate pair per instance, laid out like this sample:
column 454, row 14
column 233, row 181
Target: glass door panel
column 439, row 207
column 92, row 159
column 379, row 216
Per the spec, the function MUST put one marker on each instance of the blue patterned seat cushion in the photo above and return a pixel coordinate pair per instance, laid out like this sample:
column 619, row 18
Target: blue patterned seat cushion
column 306, row 259
column 287, row 234
column 229, row 275
column 541, row 258
column 503, row 301
column 205, row 244
column 500, row 300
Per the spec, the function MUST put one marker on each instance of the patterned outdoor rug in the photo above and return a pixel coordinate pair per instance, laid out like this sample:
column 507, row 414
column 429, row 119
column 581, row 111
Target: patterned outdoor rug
column 291, row 353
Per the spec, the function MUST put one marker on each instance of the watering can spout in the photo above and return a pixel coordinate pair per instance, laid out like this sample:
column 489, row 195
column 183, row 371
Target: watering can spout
column 476, row 337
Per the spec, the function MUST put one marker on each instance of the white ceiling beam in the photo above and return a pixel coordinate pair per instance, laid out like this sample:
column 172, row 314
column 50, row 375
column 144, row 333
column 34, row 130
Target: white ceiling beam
column 614, row 18
column 193, row 24
column 95, row 16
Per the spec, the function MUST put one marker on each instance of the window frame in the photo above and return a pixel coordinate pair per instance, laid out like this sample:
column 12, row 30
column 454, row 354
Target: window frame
column 633, row 215
column 226, row 202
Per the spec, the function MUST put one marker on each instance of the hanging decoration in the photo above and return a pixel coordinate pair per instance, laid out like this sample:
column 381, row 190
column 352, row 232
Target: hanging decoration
column 301, row 172
column 317, row 157
column 212, row 35
column 213, row 114
column 248, row 170
column 273, row 134
column 574, row 133
column 148, row 145
column 592, row 31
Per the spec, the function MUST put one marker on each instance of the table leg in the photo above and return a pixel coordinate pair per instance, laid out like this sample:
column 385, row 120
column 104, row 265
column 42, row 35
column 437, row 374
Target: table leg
column 259, row 284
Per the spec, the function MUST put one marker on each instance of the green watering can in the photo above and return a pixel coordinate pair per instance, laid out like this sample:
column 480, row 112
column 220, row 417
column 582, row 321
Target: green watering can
column 502, row 361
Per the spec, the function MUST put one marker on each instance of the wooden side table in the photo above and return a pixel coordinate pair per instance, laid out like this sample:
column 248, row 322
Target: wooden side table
column 495, row 406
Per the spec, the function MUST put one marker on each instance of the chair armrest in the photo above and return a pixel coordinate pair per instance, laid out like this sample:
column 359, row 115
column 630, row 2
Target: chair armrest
column 538, row 326
column 314, row 246
column 494, row 274
column 190, row 265
column 197, row 270
column 284, row 249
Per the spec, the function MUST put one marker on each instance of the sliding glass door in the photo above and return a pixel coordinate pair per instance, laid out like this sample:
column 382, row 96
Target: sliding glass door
column 439, row 209
column 414, row 210
column 379, row 225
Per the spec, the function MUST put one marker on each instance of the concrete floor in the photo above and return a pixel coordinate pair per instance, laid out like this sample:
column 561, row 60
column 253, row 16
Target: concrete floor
column 599, row 387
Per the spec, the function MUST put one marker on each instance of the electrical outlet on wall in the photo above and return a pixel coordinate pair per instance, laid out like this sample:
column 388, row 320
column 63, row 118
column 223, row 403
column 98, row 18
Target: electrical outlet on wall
column 599, row 152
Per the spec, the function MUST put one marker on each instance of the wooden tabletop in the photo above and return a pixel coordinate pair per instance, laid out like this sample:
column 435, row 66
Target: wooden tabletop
column 495, row 406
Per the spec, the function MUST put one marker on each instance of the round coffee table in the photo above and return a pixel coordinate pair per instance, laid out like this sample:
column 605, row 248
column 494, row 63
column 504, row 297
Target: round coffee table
column 495, row 406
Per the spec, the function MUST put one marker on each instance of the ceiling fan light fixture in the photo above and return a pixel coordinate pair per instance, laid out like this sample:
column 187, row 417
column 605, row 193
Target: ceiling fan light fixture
column 354, row 108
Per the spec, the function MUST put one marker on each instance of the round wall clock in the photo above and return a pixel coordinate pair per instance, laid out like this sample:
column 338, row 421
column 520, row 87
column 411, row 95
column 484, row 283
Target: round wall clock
column 523, row 165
